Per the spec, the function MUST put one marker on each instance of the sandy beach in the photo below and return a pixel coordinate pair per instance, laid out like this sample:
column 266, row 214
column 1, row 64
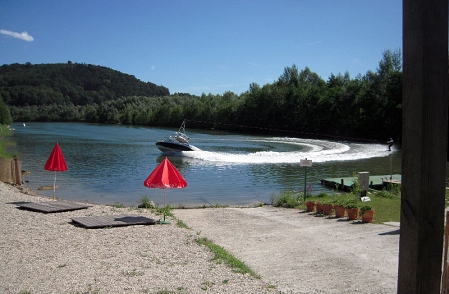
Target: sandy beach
column 292, row 251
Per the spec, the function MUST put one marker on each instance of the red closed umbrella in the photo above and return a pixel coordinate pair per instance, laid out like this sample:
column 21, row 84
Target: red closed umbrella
column 164, row 176
column 56, row 163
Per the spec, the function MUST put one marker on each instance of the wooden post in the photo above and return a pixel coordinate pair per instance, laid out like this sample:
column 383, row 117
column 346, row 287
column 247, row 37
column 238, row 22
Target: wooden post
column 17, row 171
column 424, row 133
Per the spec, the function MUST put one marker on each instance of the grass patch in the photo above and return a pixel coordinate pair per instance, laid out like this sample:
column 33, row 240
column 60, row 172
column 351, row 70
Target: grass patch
column 118, row 205
column 145, row 202
column 287, row 199
column 181, row 224
column 387, row 205
column 206, row 285
column 213, row 206
column 387, row 209
column 164, row 211
column 221, row 255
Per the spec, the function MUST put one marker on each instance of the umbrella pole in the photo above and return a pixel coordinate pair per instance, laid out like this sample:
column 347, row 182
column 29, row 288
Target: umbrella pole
column 54, row 187
column 165, row 207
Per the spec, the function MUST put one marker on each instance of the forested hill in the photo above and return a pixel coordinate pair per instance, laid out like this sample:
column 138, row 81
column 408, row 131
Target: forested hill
column 80, row 84
column 299, row 103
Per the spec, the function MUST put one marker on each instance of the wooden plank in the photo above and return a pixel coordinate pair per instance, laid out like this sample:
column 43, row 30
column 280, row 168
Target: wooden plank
column 53, row 206
column 96, row 222
column 424, row 144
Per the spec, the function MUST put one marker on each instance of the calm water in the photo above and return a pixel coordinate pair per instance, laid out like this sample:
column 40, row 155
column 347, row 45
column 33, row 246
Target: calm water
column 109, row 163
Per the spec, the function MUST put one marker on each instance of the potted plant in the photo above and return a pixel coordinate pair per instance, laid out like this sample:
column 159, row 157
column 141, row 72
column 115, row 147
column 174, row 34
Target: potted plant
column 319, row 203
column 367, row 213
column 310, row 206
column 319, row 207
column 327, row 207
column 352, row 209
column 339, row 207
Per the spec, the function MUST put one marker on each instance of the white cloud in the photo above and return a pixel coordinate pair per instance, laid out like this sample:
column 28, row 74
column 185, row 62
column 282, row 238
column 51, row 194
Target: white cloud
column 153, row 67
column 23, row 36
column 314, row 43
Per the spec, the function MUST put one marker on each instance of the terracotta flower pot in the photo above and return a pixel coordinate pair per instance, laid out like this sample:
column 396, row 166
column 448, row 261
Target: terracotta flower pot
column 368, row 216
column 319, row 208
column 310, row 206
column 339, row 211
column 353, row 213
column 327, row 209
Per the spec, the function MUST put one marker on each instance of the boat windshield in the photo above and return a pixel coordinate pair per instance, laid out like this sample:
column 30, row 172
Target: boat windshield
column 178, row 137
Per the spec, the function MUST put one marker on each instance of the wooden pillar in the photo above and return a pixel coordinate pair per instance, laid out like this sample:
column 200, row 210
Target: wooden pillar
column 424, row 133
column 17, row 171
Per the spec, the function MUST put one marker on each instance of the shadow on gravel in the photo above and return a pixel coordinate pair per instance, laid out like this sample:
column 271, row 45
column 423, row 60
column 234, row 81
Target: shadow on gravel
column 395, row 232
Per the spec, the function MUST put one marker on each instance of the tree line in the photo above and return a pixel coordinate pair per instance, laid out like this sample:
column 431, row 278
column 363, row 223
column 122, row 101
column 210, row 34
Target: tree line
column 299, row 103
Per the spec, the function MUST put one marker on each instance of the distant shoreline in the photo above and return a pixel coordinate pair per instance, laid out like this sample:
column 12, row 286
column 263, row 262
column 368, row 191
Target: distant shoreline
column 29, row 191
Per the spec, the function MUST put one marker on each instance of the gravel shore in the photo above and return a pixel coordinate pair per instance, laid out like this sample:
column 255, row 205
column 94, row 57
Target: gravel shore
column 292, row 251
column 46, row 253
column 300, row 252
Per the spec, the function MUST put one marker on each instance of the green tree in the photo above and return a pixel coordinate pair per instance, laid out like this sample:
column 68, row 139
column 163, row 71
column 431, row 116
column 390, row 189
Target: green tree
column 299, row 102
column 5, row 114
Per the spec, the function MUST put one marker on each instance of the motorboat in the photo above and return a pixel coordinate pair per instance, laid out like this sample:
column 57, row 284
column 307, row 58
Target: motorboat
column 176, row 142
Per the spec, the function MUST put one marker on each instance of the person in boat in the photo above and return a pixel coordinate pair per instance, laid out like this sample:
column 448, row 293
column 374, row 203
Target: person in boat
column 390, row 144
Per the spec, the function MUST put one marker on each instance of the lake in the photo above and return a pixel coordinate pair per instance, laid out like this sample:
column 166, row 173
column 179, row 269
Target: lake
column 109, row 163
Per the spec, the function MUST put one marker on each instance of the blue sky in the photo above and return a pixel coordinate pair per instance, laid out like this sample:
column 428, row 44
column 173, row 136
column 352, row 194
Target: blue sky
column 203, row 46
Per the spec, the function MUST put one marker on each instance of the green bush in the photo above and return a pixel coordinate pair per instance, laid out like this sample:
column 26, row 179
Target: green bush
column 145, row 202
column 395, row 191
column 366, row 207
column 164, row 210
column 351, row 203
column 338, row 200
column 322, row 194
column 288, row 200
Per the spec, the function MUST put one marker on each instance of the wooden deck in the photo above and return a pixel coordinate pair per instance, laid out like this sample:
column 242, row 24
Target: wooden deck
column 53, row 206
column 96, row 222
column 375, row 182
